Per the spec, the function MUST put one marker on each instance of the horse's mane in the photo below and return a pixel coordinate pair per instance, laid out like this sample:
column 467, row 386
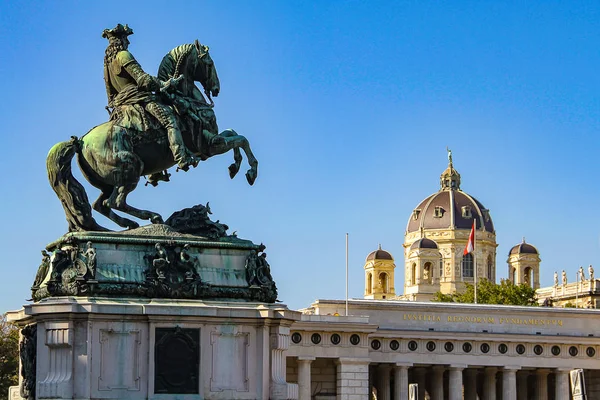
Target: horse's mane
column 173, row 64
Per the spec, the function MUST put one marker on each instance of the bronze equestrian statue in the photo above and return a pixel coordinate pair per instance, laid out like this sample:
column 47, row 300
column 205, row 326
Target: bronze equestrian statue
column 155, row 123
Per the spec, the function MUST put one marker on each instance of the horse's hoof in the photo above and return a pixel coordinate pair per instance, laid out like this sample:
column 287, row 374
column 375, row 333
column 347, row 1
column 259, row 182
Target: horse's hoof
column 157, row 219
column 233, row 170
column 251, row 176
column 132, row 225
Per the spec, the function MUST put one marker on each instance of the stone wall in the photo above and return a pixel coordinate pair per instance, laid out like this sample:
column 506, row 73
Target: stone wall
column 291, row 369
column 322, row 376
column 352, row 379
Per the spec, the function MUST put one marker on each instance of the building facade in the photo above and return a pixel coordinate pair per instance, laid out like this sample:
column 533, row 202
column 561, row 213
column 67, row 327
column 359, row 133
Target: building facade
column 452, row 351
column 390, row 340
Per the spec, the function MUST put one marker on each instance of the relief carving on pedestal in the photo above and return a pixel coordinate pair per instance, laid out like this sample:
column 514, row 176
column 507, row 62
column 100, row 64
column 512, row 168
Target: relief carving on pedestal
column 173, row 272
column 27, row 353
column 71, row 269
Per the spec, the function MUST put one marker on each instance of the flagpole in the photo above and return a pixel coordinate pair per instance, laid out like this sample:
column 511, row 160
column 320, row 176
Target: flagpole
column 346, row 274
column 475, row 259
column 577, row 289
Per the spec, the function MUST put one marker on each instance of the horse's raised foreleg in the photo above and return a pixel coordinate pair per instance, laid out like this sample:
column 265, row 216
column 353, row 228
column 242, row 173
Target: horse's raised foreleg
column 223, row 147
column 110, row 214
column 235, row 142
column 118, row 201
column 235, row 166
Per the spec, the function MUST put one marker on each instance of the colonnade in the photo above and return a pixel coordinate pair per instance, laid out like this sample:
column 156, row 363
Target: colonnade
column 353, row 383
column 462, row 381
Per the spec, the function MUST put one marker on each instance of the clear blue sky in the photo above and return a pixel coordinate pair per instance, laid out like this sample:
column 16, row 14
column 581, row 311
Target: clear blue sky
column 349, row 106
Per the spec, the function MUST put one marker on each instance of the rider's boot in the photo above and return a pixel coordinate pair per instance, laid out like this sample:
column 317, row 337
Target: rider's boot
column 183, row 157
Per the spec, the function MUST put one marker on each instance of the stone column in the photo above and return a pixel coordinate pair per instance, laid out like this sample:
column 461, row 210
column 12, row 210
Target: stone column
column 352, row 381
column 489, row 384
column 509, row 383
column 455, row 382
column 470, row 384
column 304, row 385
column 421, row 381
column 401, row 381
column 562, row 384
column 522, row 385
column 383, row 382
column 438, row 383
column 541, row 384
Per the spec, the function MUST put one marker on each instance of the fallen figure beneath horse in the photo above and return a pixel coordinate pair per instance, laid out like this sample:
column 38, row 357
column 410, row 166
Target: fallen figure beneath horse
column 133, row 143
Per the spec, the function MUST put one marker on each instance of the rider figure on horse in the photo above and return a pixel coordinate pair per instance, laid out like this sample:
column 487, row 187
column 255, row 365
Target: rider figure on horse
column 128, row 84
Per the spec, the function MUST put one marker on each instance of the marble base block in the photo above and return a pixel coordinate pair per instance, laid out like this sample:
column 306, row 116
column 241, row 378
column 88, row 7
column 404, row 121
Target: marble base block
column 126, row 348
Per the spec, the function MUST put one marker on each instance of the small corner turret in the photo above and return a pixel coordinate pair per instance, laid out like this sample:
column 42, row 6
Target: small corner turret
column 379, row 275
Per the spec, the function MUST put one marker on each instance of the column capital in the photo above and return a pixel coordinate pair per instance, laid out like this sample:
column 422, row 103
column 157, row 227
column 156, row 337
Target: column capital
column 458, row 366
column 510, row 368
column 306, row 359
column 562, row 370
column 403, row 364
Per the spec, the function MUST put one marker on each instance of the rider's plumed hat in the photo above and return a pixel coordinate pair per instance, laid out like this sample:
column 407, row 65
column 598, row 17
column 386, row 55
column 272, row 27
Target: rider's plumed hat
column 118, row 31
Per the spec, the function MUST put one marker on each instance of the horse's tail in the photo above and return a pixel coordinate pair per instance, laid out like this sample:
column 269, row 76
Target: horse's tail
column 70, row 192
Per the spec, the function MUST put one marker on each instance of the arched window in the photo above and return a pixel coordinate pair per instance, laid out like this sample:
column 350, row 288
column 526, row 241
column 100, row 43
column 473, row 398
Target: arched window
column 441, row 275
column 369, row 283
column 413, row 274
column 467, row 266
column 490, row 269
column 528, row 276
column 427, row 272
column 383, row 282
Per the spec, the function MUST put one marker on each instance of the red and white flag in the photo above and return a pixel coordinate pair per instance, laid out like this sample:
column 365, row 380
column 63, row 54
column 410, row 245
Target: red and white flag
column 471, row 243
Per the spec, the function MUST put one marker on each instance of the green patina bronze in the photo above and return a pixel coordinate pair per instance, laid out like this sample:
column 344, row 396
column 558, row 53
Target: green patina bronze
column 155, row 123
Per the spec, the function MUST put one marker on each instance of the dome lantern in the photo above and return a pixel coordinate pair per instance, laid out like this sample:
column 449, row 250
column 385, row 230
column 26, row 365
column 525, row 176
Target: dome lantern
column 450, row 178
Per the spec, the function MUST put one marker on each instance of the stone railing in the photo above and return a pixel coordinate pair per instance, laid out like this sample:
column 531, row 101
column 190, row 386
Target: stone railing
column 569, row 290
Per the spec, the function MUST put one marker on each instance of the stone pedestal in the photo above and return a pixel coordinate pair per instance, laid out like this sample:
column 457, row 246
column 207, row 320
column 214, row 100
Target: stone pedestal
column 108, row 348
column 181, row 311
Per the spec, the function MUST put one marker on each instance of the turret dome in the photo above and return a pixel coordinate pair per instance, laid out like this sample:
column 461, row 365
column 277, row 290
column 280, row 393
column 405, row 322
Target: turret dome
column 523, row 248
column 379, row 254
column 424, row 244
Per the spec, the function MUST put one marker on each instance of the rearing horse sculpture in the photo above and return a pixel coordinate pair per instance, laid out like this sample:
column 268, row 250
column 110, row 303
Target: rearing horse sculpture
column 114, row 155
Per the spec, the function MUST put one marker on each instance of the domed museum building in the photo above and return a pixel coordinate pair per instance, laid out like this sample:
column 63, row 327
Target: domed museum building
column 436, row 234
column 377, row 346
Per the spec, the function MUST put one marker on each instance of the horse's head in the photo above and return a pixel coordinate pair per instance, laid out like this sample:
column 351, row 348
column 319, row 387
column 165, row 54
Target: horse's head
column 205, row 72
